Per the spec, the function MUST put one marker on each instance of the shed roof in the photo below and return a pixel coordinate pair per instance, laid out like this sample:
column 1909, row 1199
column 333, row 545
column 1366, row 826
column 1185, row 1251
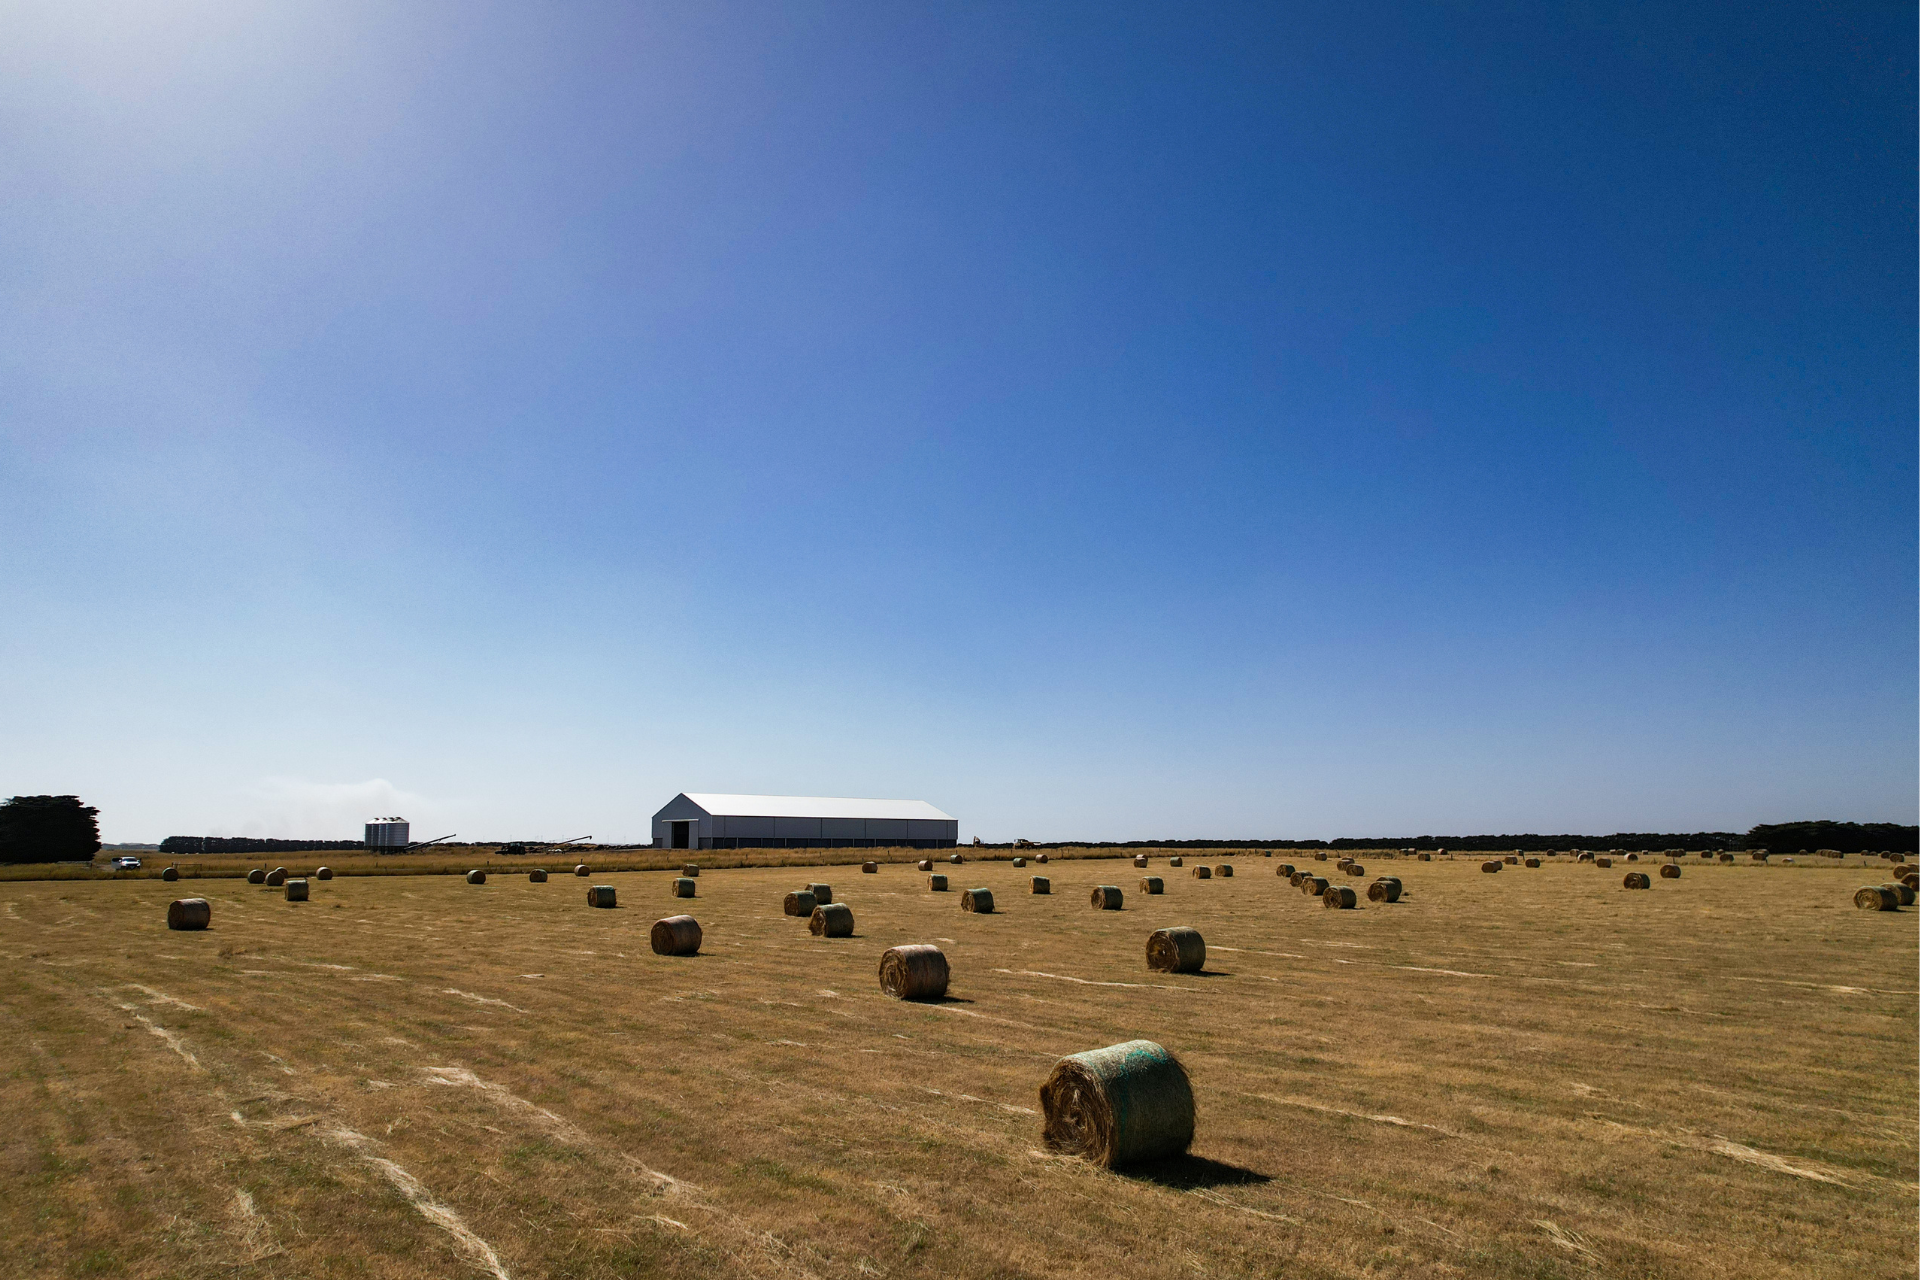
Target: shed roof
column 813, row 807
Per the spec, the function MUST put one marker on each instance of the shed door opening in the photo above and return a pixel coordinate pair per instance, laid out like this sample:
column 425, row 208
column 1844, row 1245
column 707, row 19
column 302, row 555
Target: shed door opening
column 682, row 835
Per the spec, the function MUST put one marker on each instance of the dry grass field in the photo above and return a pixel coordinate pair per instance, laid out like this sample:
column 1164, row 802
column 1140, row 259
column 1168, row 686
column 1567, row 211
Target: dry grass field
column 1529, row 1074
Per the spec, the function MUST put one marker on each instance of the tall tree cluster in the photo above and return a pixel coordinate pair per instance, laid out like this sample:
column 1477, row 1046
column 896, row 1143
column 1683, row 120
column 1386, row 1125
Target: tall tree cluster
column 48, row 829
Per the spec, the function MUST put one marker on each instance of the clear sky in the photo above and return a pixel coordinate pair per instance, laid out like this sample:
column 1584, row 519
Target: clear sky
column 1108, row 421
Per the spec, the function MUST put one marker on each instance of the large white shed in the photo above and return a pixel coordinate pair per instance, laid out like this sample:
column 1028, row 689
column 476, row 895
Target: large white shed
column 704, row 820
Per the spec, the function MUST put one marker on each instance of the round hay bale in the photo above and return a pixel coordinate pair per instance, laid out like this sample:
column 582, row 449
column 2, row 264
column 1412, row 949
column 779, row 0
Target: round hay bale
column 1344, row 862
column 1637, row 880
column 170, row 874
column 602, row 895
column 1671, row 871
column 684, row 887
column 1633, row 857
column 276, row 877
column 1203, row 873
column 1383, row 891
column 476, row 876
column 1314, row 886
column 1295, row 878
column 537, row 876
column 691, row 869
column 1118, row 1105
column 831, row 920
column 1426, row 857
column 1041, row 885
column 925, row 864
column 1531, row 862
column 1340, row 896
column 822, row 893
column 869, row 868
column 189, row 913
column 1603, row 862
column 297, row 889
column 1355, row 869
column 324, row 873
column 1040, row 858
column 1512, row 862
column 1176, row 950
column 799, row 903
column 1176, row 861
column 1876, row 897
column 1285, row 870
column 675, row 936
column 1904, row 890
column 1493, row 865
column 1140, row 860
column 916, row 971
column 257, row 876
column 581, row 870
column 1106, row 897
column 1223, row 869
column 978, row 901
column 1152, row 885
column 937, row 883
column 954, row 859
column 1019, row 862
column 1319, row 857
column 1726, row 857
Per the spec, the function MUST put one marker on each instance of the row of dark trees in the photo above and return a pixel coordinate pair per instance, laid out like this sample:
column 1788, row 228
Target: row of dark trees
column 246, row 844
column 1786, row 837
column 48, row 829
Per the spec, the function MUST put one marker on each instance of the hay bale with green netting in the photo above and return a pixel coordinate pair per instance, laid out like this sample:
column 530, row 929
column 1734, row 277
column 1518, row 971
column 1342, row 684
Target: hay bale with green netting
column 869, row 868
column 1285, row 870
column 1040, row 884
column 257, row 876
column 602, row 895
column 1019, row 862
column 937, row 883
column 276, row 877
column 1176, row 861
column 1223, row 869
column 914, row 971
column 1876, row 897
column 690, row 870
column 297, row 890
column 1203, row 873
column 170, row 874
column 1152, row 884
column 1314, row 886
column 581, row 870
column 685, row 886
column 1139, row 859
column 1340, row 896
column 799, row 903
column 1178, row 949
column 978, row 901
column 1903, row 889
column 954, row 858
column 324, row 873
column 189, row 913
column 675, row 936
column 1106, row 897
column 822, row 893
column 1119, row 1105
column 831, row 920
column 475, row 876
column 1295, row 878
column 537, row 876
column 1385, row 889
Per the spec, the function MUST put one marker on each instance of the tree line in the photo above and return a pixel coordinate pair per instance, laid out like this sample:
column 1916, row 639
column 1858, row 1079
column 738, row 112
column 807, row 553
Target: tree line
column 247, row 844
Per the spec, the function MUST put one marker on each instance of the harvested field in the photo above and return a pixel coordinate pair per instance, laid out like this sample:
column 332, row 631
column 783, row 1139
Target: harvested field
column 1513, row 1076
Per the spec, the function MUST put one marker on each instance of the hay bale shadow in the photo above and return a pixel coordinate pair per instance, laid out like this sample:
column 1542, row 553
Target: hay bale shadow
column 1190, row 1172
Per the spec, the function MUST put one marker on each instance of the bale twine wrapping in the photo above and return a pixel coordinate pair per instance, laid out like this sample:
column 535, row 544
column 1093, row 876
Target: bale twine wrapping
column 831, row 920
column 1106, row 897
column 1176, row 861
column 276, row 877
column 925, row 864
column 1531, row 862
column 954, row 859
column 869, row 868
column 1118, row 1105
column 1019, row 862
column 978, row 901
column 937, row 883
column 1042, row 885
column 1340, row 896
column 691, row 869
column 257, row 876
column 537, row 876
column 1140, row 860
column 1876, row 897
column 170, row 874
column 1670, row 872
column 1152, row 885
column 189, row 913
column 1493, row 865
column 324, row 873
column 675, row 936
column 1224, row 869
column 581, row 870
column 1904, row 890
column 1383, row 891
column 1176, row 950
column 916, row 971
column 297, row 889
column 1638, row 880
column 684, row 887
column 602, row 895
column 1285, row 870
column 799, row 903
column 476, row 876
column 1203, row 873
column 1313, row 886
column 822, row 893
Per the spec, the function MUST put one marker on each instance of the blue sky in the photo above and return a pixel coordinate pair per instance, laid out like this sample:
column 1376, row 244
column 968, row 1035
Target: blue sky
column 1100, row 421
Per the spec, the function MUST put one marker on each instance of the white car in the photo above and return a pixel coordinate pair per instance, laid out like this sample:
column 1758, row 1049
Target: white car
column 126, row 864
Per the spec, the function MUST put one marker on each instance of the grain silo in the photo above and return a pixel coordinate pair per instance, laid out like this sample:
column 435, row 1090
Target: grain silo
column 387, row 835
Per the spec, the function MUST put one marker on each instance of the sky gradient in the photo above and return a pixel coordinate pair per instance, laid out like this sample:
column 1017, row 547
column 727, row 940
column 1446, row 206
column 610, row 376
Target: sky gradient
column 1099, row 421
